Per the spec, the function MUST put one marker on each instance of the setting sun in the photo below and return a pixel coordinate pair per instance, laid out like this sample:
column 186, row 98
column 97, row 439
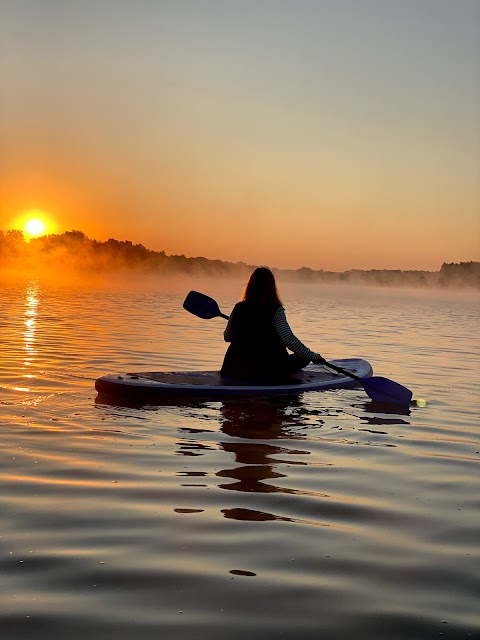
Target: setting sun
column 34, row 223
column 35, row 227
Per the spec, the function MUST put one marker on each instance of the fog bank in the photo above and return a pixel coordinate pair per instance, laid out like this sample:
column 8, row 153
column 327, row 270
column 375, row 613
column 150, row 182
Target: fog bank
column 73, row 254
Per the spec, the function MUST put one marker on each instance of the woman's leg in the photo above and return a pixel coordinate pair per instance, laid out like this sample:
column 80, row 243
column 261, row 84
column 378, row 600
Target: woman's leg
column 296, row 364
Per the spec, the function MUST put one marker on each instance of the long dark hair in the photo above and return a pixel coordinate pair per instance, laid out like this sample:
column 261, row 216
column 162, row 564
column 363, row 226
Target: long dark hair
column 261, row 288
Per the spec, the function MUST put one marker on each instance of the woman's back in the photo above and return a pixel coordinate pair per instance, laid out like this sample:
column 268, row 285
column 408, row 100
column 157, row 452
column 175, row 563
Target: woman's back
column 256, row 351
column 253, row 324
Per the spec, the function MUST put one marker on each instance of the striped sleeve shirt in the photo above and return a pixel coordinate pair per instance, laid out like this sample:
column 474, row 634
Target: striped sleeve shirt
column 286, row 336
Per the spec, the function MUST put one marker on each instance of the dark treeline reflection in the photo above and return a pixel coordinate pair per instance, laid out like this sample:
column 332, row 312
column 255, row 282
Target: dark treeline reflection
column 73, row 250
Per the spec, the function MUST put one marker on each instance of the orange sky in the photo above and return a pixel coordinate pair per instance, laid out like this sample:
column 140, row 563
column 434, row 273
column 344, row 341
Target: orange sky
column 328, row 135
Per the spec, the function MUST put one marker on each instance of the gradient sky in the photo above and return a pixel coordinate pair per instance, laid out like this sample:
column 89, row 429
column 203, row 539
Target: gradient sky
column 332, row 134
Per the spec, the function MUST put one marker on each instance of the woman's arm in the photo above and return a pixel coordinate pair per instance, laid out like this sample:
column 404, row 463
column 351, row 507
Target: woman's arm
column 290, row 340
column 227, row 334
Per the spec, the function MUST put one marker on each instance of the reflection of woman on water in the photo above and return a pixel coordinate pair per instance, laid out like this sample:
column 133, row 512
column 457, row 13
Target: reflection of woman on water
column 259, row 335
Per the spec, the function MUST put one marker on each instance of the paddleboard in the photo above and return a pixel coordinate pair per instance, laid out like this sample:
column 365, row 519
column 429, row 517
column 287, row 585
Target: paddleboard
column 158, row 385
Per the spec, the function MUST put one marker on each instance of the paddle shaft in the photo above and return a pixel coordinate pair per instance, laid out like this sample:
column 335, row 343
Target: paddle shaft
column 344, row 371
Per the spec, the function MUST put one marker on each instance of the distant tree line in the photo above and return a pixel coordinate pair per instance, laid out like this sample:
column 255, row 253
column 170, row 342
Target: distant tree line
column 458, row 274
column 73, row 251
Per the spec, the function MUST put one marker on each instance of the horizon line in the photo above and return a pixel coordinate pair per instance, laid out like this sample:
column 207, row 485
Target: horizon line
column 253, row 266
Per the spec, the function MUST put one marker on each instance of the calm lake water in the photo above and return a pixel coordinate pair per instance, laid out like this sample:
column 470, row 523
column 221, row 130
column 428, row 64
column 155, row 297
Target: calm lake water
column 311, row 517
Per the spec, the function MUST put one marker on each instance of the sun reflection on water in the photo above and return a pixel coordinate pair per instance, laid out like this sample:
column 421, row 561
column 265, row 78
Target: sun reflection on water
column 30, row 323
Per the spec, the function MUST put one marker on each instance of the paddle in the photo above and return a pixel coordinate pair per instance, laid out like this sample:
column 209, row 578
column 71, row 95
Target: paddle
column 379, row 389
column 202, row 306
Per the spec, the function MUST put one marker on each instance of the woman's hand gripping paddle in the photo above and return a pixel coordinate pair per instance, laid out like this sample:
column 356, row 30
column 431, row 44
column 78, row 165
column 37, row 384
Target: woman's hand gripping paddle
column 379, row 389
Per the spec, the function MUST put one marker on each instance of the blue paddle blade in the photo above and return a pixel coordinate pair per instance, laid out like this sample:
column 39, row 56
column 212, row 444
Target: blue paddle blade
column 386, row 391
column 202, row 306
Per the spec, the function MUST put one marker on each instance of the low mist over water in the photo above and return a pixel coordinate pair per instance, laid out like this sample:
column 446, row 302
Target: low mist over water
column 313, row 516
column 75, row 255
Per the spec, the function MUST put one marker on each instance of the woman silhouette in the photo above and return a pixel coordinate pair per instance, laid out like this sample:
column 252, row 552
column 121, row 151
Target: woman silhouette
column 259, row 336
